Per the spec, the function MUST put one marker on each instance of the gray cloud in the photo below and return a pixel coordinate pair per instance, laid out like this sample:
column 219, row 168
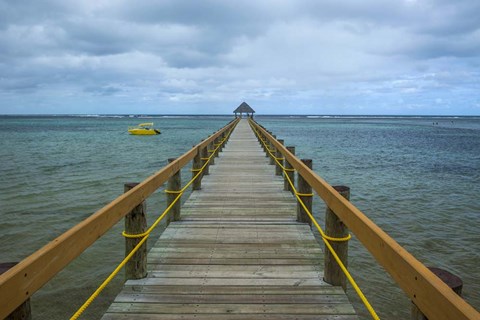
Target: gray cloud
column 189, row 53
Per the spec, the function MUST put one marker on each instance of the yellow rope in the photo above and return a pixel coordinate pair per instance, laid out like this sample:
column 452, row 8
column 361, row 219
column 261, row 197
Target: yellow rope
column 337, row 239
column 304, row 194
column 196, row 170
column 326, row 240
column 173, row 191
column 144, row 237
column 107, row 281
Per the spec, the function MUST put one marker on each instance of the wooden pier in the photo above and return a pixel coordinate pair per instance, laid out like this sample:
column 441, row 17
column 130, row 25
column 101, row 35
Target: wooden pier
column 236, row 253
column 240, row 247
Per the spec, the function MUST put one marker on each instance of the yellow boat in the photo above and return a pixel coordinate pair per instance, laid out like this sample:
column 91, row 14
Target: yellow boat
column 145, row 129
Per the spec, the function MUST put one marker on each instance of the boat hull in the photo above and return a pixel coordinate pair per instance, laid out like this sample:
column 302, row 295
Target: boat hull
column 144, row 132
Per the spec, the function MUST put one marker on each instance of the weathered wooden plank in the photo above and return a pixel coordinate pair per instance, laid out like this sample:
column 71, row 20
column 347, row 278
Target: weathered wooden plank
column 234, row 290
column 244, row 268
column 238, row 274
column 232, row 299
column 236, row 261
column 166, row 316
column 233, row 255
column 239, row 249
column 222, row 282
column 337, row 308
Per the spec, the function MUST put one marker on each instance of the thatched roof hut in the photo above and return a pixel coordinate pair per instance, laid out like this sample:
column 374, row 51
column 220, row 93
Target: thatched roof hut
column 244, row 108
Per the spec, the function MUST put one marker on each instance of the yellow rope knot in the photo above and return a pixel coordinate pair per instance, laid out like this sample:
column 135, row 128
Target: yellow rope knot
column 280, row 159
column 212, row 150
column 289, row 170
column 204, row 159
column 196, row 170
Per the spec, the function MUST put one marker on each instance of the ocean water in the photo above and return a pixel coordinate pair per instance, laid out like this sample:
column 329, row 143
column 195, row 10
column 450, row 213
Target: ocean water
column 418, row 178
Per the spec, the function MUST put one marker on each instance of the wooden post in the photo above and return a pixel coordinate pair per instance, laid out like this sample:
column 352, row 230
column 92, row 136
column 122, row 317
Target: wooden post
column 215, row 146
column 23, row 311
column 290, row 172
column 135, row 223
column 304, row 188
column 335, row 228
column 271, row 147
column 204, row 153
column 210, row 152
column 267, row 146
column 174, row 184
column 450, row 279
column 196, row 166
column 224, row 142
column 278, row 154
column 262, row 138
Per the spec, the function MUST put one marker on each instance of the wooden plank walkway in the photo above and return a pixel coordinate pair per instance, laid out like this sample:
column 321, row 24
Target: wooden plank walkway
column 237, row 253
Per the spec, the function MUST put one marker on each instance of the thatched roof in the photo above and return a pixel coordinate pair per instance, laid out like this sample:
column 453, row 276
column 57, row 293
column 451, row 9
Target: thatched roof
column 244, row 108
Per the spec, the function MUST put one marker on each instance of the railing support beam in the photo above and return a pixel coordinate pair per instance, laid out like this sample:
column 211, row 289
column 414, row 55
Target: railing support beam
column 135, row 223
column 335, row 228
column 196, row 166
column 204, row 155
column 290, row 173
column 274, row 150
column 451, row 280
column 279, row 156
column 211, row 148
column 174, row 184
column 305, row 191
column 23, row 311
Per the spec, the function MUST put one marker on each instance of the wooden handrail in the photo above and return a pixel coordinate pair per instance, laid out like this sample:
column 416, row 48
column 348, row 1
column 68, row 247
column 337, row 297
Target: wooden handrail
column 29, row 275
column 433, row 297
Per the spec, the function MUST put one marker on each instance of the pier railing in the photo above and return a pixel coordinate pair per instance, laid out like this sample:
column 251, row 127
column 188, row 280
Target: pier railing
column 429, row 293
column 20, row 282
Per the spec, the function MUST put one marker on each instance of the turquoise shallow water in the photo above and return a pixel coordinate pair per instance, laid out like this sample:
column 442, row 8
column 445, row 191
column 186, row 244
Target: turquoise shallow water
column 417, row 178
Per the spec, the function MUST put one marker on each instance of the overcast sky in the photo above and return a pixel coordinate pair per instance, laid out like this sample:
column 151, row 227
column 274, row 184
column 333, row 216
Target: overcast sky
column 282, row 57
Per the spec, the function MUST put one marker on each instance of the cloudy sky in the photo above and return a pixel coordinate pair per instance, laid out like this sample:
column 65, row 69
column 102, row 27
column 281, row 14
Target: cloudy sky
column 282, row 57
